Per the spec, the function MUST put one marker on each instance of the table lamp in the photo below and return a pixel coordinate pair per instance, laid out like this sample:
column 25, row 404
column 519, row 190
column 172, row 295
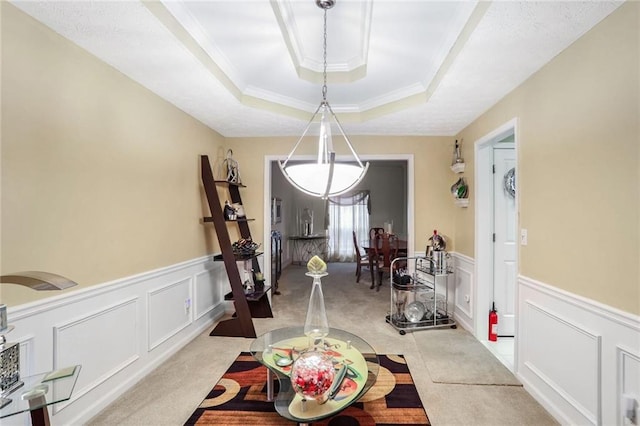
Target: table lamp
column 10, row 352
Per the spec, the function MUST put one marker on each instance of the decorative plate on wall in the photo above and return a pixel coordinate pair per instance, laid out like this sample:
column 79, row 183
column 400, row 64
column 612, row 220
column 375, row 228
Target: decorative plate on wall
column 510, row 182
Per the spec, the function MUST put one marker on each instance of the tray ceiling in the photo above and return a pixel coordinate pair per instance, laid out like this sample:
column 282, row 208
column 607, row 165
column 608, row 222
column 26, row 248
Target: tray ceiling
column 254, row 67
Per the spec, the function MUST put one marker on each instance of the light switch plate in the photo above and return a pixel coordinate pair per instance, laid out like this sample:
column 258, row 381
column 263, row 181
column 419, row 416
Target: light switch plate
column 523, row 237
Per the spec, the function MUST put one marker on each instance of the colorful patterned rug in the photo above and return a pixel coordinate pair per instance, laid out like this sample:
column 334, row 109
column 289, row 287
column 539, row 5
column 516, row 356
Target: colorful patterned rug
column 240, row 398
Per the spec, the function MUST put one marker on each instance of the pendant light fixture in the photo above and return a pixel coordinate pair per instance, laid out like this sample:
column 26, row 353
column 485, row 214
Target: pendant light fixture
column 324, row 177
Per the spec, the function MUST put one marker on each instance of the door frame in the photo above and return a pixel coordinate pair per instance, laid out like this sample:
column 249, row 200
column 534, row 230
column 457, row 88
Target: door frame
column 483, row 285
column 268, row 159
column 502, row 146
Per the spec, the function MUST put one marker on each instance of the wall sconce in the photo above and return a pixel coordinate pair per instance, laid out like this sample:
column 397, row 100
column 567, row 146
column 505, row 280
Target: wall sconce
column 10, row 352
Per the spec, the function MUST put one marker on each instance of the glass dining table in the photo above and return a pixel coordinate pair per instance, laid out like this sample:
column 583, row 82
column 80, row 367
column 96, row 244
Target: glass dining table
column 278, row 349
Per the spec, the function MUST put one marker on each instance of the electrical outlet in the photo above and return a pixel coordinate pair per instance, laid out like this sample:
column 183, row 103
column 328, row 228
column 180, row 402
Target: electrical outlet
column 523, row 237
column 187, row 305
column 467, row 298
column 629, row 410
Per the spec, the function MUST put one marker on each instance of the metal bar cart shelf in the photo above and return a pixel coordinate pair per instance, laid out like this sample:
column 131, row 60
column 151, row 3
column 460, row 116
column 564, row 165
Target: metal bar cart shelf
column 419, row 295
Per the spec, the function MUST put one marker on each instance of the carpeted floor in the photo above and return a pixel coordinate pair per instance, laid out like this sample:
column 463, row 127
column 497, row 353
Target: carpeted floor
column 239, row 398
column 451, row 355
column 172, row 392
column 456, row 357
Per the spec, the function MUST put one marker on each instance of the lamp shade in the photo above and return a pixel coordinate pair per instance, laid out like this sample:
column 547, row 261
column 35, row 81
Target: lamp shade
column 315, row 178
column 38, row 280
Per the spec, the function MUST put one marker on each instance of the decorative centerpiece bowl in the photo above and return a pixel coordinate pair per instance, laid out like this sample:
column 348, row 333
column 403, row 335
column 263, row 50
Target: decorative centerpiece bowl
column 312, row 375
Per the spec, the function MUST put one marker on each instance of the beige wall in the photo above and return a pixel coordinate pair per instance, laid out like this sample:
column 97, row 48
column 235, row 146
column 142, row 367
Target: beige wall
column 100, row 177
column 434, row 208
column 578, row 170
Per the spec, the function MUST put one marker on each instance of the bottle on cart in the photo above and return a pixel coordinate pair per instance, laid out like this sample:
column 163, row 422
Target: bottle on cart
column 437, row 241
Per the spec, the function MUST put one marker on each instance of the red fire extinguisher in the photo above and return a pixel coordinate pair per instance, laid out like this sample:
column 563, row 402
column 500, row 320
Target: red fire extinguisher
column 493, row 323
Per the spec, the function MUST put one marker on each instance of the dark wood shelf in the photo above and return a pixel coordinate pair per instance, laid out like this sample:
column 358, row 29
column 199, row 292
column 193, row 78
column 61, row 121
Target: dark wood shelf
column 226, row 182
column 252, row 297
column 210, row 219
column 247, row 306
column 220, row 258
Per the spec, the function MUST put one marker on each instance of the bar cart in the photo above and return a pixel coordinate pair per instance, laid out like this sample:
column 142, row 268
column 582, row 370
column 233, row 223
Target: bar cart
column 419, row 296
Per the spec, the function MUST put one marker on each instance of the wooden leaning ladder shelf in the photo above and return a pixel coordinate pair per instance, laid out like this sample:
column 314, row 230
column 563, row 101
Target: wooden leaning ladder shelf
column 247, row 306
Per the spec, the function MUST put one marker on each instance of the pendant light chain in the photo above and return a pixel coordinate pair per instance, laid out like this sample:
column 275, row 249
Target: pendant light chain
column 324, row 177
column 324, row 47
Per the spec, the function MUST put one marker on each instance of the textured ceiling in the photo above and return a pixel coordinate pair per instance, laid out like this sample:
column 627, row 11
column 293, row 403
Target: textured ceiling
column 395, row 67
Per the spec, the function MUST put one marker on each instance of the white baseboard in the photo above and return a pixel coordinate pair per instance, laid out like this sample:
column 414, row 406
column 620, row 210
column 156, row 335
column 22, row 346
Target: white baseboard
column 118, row 331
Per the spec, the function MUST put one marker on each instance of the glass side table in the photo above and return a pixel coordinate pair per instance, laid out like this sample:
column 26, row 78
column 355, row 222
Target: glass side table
column 38, row 392
column 277, row 349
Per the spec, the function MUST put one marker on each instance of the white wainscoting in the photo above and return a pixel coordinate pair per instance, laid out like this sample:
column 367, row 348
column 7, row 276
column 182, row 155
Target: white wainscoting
column 577, row 357
column 118, row 331
column 463, row 294
column 77, row 340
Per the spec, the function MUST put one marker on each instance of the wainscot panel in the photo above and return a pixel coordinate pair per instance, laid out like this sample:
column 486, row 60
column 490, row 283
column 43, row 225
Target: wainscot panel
column 463, row 279
column 207, row 296
column 566, row 344
column 629, row 379
column 169, row 311
column 118, row 331
column 576, row 356
column 76, row 342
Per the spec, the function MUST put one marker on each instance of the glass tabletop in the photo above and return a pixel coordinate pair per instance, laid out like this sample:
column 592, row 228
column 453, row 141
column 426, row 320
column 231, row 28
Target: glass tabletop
column 40, row 390
column 277, row 349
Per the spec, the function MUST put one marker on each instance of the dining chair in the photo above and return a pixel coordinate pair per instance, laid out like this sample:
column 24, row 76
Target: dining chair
column 374, row 232
column 361, row 259
column 386, row 250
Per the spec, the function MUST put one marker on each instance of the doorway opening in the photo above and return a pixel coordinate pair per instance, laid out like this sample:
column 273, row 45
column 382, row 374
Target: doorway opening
column 287, row 198
column 496, row 225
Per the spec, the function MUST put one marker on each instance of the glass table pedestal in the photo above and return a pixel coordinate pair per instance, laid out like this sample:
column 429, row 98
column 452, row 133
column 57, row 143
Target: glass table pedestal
column 277, row 349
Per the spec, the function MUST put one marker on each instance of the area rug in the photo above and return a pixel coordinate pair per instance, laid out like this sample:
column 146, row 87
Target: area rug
column 239, row 398
column 456, row 357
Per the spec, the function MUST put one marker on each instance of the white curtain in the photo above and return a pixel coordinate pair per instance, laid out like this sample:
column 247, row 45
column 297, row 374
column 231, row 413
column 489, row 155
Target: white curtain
column 347, row 213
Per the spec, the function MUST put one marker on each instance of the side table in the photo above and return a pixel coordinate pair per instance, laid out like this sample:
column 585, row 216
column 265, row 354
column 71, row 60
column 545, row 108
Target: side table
column 274, row 347
column 38, row 392
column 306, row 246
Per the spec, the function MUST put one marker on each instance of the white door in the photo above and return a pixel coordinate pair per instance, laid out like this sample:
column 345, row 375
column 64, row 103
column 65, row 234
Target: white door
column 504, row 252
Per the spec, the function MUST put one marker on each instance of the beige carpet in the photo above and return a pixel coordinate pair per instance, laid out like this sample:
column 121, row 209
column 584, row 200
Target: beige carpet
column 456, row 357
column 174, row 390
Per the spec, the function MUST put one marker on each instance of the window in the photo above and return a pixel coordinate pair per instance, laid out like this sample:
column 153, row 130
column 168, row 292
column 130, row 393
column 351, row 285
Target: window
column 347, row 213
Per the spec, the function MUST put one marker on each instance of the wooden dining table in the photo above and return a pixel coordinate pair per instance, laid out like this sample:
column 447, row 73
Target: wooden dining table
column 370, row 247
